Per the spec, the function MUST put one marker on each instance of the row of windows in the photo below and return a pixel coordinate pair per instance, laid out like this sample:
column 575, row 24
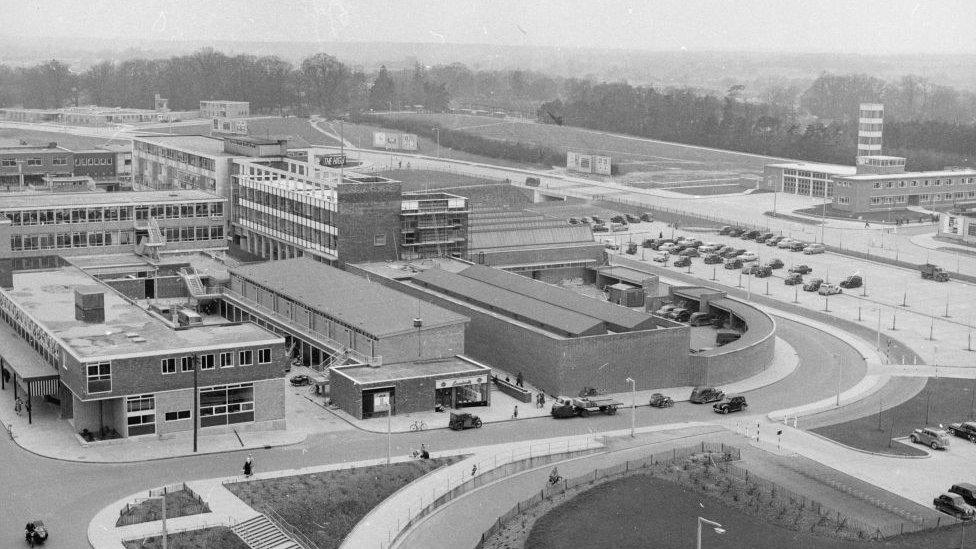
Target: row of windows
column 60, row 161
column 61, row 216
column 209, row 362
column 172, row 154
column 221, row 405
column 289, row 228
column 300, row 205
column 104, row 161
column 924, row 183
column 190, row 234
column 89, row 239
column 937, row 197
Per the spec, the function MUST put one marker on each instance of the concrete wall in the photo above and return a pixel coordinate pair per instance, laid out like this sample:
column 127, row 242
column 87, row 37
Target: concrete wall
column 441, row 342
column 524, row 256
column 734, row 364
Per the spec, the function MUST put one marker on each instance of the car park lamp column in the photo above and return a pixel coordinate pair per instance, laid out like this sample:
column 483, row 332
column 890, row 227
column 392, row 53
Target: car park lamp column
column 633, row 404
column 715, row 526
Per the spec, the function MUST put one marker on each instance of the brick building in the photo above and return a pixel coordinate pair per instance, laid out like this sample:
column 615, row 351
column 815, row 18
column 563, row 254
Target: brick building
column 116, row 368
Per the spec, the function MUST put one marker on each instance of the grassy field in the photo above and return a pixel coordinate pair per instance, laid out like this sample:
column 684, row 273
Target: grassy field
column 12, row 137
column 943, row 401
column 219, row 537
column 885, row 216
column 326, row 506
column 710, row 190
column 645, row 511
column 178, row 504
column 299, row 129
column 632, row 154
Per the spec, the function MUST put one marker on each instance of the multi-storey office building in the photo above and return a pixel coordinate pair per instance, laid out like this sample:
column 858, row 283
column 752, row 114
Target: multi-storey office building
column 866, row 192
column 82, row 223
column 23, row 166
column 114, row 367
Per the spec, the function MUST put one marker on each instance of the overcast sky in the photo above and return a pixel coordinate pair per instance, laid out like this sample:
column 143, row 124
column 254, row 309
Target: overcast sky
column 861, row 26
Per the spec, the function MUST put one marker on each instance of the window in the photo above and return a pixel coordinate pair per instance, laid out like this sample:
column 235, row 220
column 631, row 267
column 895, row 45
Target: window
column 169, row 365
column 245, row 358
column 140, row 411
column 264, row 356
column 901, row 184
column 206, row 362
column 99, row 377
column 914, row 183
column 379, row 239
column 877, row 184
column 60, row 161
column 34, row 162
column 8, row 163
column 226, row 360
column 227, row 404
column 186, row 363
column 177, row 416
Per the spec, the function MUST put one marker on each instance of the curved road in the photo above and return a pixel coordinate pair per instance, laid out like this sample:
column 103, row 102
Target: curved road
column 67, row 494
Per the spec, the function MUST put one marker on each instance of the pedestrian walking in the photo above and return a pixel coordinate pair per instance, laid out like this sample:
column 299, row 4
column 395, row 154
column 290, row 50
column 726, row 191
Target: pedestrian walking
column 515, row 412
column 518, row 379
column 18, row 405
column 424, row 454
column 474, row 469
column 660, row 234
column 248, row 466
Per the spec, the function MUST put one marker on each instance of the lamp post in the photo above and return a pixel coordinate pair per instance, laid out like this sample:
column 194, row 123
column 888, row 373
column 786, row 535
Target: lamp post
column 437, row 131
column 715, row 526
column 633, row 404
column 837, row 363
column 196, row 410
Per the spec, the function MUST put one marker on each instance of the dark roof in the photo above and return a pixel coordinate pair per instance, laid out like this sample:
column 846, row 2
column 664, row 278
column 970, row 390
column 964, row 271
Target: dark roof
column 617, row 317
column 369, row 306
column 522, row 236
column 510, row 304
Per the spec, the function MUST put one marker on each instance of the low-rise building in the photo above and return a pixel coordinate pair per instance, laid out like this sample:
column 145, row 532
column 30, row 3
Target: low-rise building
column 872, row 192
column 959, row 223
column 225, row 109
column 803, row 178
column 116, row 369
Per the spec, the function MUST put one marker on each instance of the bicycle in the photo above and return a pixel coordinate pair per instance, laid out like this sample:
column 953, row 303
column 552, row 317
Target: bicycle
column 418, row 425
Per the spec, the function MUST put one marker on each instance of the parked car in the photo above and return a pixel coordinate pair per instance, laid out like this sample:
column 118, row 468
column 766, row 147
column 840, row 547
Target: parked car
column 750, row 235
column 853, row 281
column 459, row 422
column 725, row 230
column 574, row 221
column 829, row 289
column 631, row 218
column 737, row 231
column 666, row 246
column 649, row 243
column 785, row 244
column 965, row 430
column 733, row 263
column 600, row 228
column 725, row 337
column 632, row 248
column 728, row 253
column 762, row 271
column 692, row 242
column 679, row 314
column 749, row 256
column 300, row 380
column 709, row 247
column 683, row 261
column 618, row 227
column 618, row 218
column 712, row 259
column 798, row 246
column 611, row 245
column 647, row 216
column 704, row 395
column 955, row 505
column 598, row 220
column 734, row 404
column 764, row 237
column 750, row 269
column 812, row 285
column 774, row 241
column 793, row 279
column 661, row 401
column 966, row 490
column 660, row 257
column 586, row 220
column 801, row 269
column 775, row 263
column 665, row 309
column 700, row 319
column 690, row 252
column 723, row 248
column 937, row 439
column 814, row 249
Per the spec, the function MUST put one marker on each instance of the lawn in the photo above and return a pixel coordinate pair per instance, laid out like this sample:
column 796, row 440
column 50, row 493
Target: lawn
column 326, row 506
column 944, row 400
column 645, row 511
column 13, row 137
column 887, row 216
column 710, row 190
column 179, row 503
column 219, row 537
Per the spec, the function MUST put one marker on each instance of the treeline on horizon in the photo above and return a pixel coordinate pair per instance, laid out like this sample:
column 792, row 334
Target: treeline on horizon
column 934, row 126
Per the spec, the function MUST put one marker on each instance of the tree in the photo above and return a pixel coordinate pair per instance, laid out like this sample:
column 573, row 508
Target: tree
column 382, row 95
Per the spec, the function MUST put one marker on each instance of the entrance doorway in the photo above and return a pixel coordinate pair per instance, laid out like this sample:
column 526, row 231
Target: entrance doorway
column 913, row 200
column 378, row 402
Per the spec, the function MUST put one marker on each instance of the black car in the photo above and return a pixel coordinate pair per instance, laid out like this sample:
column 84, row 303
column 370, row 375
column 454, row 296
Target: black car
column 661, row 401
column 812, row 285
column 801, row 269
column 964, row 489
column 712, row 258
column 573, row 221
column 619, row 219
column 792, row 279
column 853, row 281
column 751, row 235
column 762, row 271
column 598, row 220
column 955, row 505
column 600, row 228
column 737, row 231
column 734, row 404
column 631, row 218
column 632, row 248
column 733, row 263
column 683, row 261
column 646, row 216
column 725, row 230
column 965, row 430
column 704, row 395
column 689, row 252
column 775, row 263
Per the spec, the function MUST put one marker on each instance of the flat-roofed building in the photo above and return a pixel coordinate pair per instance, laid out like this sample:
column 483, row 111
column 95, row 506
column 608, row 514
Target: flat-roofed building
column 117, row 369
column 803, row 178
column 872, row 192
column 28, row 165
column 225, row 109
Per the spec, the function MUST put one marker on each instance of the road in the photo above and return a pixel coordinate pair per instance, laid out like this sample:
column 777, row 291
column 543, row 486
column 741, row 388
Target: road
column 66, row 494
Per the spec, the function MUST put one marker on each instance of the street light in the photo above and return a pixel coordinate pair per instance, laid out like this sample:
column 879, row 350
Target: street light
column 633, row 404
column 715, row 526
column 837, row 362
column 437, row 131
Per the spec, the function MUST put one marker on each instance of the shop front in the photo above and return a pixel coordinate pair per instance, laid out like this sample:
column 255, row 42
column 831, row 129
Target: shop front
column 461, row 392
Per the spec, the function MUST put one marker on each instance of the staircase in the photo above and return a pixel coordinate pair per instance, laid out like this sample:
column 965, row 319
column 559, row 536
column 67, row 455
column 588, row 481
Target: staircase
column 156, row 237
column 261, row 533
column 193, row 283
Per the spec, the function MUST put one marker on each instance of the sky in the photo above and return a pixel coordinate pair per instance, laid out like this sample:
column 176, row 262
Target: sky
column 850, row 26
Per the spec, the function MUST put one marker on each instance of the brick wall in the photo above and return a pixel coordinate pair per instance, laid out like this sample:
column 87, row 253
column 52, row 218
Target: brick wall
column 440, row 342
column 366, row 210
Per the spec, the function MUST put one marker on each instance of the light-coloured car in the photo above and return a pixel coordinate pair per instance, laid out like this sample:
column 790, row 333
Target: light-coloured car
column 814, row 249
column 785, row 243
column 666, row 247
column 660, row 257
column 937, row 439
column 708, row 247
column 829, row 289
column 748, row 256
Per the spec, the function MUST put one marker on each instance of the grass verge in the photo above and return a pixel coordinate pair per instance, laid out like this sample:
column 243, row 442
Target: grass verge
column 219, row 537
column 179, row 503
column 326, row 506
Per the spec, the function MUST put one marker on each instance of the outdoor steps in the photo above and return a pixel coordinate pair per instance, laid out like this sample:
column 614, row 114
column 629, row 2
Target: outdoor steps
column 260, row 533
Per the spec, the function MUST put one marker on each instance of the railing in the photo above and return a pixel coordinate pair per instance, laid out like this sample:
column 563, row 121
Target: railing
column 485, row 472
column 291, row 530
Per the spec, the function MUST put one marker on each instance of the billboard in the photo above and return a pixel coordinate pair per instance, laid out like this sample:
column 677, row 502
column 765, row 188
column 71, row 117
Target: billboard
column 332, row 160
column 236, row 126
column 587, row 163
column 395, row 141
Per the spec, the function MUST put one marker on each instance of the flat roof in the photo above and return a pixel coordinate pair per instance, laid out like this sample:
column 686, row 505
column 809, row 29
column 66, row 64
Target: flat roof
column 695, row 292
column 615, row 315
column 836, row 169
column 24, row 360
column 41, row 200
column 48, row 298
column 406, row 269
column 510, row 304
column 196, row 144
column 356, row 301
column 33, row 149
column 911, row 175
column 403, row 370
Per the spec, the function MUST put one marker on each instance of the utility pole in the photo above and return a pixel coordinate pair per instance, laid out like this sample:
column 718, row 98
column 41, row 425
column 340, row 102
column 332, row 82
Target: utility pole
column 196, row 408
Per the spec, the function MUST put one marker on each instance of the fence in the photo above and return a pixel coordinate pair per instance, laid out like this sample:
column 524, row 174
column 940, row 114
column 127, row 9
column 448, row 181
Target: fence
column 731, row 453
column 293, row 532
column 495, row 467
column 151, row 510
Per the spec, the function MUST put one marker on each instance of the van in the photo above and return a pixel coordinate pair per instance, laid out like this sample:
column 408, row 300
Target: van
column 966, row 490
column 724, row 337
